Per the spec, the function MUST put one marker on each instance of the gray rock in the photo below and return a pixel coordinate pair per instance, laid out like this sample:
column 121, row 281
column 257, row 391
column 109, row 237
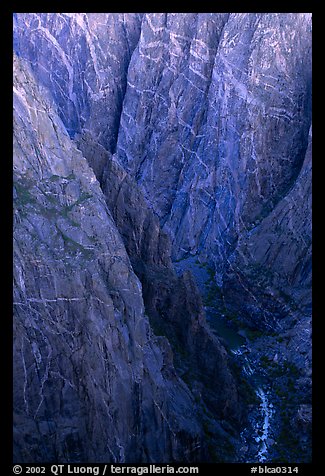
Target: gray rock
column 208, row 112
column 272, row 268
column 83, row 60
column 173, row 304
column 204, row 162
column 197, row 132
column 92, row 383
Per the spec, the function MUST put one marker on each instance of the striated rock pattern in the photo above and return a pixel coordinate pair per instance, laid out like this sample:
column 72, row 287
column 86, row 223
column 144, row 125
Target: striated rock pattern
column 271, row 268
column 146, row 139
column 172, row 303
column 214, row 164
column 209, row 112
column 83, row 60
column 92, row 382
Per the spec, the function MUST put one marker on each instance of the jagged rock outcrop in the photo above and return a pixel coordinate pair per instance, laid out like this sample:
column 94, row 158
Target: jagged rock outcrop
column 92, row 382
column 139, row 227
column 172, row 303
column 270, row 272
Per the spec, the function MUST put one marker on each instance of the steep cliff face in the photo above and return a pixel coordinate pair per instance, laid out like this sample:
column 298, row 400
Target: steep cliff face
column 214, row 164
column 92, row 382
column 83, row 60
column 185, row 138
column 209, row 113
column 172, row 303
column 271, row 268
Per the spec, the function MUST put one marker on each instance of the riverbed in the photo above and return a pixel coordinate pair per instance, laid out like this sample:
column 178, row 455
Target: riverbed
column 258, row 436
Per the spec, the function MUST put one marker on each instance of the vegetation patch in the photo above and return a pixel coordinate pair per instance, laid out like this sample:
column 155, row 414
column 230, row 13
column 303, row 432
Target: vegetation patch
column 56, row 178
column 74, row 246
column 23, row 195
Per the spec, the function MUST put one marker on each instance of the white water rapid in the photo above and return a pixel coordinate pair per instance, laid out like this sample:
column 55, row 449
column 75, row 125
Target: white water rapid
column 265, row 408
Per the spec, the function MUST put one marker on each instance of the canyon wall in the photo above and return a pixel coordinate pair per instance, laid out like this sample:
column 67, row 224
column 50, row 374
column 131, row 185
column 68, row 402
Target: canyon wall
column 143, row 141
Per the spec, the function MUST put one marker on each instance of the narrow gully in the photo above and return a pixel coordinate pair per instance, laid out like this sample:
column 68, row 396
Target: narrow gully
column 258, row 432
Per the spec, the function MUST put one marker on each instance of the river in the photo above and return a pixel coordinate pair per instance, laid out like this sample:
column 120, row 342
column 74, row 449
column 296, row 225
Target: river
column 260, row 420
column 257, row 436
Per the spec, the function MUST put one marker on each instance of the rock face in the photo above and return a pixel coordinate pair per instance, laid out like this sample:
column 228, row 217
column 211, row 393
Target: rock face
column 172, row 303
column 69, row 55
column 204, row 163
column 271, row 267
column 92, row 382
column 210, row 113
column 142, row 140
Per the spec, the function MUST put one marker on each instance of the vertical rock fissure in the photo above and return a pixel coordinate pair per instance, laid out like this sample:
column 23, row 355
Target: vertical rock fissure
column 124, row 86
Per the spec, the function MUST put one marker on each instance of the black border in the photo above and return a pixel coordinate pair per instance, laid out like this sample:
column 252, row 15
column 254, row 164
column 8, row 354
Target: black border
column 7, row 221
column 6, row 355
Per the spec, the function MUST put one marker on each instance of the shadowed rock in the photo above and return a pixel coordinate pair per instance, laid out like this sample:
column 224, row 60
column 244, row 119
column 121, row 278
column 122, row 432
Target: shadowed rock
column 92, row 383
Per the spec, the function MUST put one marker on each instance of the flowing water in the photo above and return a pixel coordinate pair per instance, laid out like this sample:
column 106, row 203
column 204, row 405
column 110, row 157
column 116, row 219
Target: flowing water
column 262, row 419
column 257, row 436
column 266, row 412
